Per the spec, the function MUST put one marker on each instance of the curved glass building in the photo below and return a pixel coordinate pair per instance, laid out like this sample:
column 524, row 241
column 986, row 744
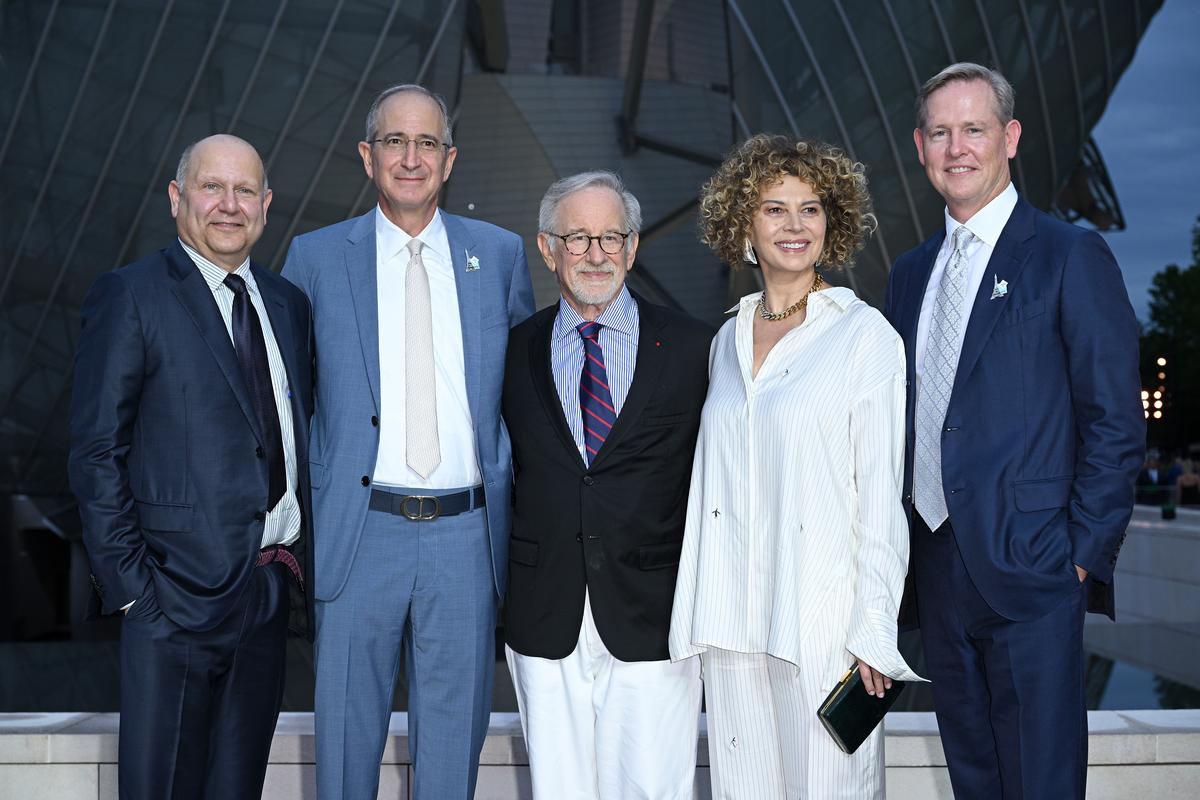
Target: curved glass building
column 99, row 97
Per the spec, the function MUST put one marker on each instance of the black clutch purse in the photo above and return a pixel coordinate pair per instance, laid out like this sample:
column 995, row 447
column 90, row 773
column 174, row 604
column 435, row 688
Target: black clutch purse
column 850, row 714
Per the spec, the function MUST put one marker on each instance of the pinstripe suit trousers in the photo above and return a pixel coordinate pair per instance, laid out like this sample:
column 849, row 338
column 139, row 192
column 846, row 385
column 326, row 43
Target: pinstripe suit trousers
column 765, row 741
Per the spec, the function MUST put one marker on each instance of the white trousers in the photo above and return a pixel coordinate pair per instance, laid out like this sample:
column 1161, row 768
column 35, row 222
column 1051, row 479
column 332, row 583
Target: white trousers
column 765, row 741
column 601, row 729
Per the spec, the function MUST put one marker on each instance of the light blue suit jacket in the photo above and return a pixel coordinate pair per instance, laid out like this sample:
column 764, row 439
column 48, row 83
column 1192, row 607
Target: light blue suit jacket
column 335, row 268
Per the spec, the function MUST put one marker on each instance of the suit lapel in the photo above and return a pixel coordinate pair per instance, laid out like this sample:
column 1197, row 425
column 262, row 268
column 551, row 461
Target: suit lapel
column 543, row 379
column 1008, row 260
column 364, row 293
column 193, row 293
column 646, row 372
column 277, row 313
column 466, row 286
column 281, row 326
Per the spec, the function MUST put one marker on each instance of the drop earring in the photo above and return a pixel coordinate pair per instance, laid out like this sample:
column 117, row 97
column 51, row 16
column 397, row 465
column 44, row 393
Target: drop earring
column 748, row 253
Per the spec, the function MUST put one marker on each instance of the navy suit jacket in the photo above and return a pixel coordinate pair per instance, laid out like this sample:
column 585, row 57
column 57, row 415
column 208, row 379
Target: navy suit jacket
column 1044, row 432
column 164, row 440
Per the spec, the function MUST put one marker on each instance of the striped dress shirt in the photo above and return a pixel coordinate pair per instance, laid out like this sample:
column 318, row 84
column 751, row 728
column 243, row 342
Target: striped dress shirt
column 796, row 544
column 619, row 341
column 282, row 524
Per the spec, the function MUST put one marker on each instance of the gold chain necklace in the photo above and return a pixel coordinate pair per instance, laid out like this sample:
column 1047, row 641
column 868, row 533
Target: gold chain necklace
column 775, row 316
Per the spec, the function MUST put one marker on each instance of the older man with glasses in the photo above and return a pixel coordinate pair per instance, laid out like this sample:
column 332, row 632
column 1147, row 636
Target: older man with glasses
column 410, row 466
column 602, row 397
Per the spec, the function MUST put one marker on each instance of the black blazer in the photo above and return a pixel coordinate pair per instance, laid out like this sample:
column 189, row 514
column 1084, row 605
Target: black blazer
column 615, row 528
column 164, row 441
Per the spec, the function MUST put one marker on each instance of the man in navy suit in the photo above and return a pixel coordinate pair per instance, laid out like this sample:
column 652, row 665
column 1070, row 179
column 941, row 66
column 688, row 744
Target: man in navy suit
column 189, row 417
column 410, row 464
column 1025, row 434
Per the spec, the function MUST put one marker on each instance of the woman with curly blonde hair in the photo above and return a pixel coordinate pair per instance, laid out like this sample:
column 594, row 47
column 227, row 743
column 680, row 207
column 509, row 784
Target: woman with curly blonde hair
column 796, row 545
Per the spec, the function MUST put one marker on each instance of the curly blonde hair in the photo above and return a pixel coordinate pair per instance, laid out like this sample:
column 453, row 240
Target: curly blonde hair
column 729, row 199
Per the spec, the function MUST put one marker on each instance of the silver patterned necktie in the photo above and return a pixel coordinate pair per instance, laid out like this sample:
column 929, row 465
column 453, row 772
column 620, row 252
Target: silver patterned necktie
column 423, row 450
column 942, row 348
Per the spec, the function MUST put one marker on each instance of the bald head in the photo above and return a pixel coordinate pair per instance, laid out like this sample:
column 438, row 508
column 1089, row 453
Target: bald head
column 219, row 199
column 185, row 158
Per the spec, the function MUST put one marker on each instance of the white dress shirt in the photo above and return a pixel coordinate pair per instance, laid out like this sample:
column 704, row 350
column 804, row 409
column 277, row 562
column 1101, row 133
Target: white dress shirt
column 282, row 524
column 987, row 224
column 456, row 433
column 796, row 544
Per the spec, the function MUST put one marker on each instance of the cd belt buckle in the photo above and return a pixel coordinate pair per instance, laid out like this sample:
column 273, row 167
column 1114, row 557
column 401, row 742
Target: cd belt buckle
column 420, row 507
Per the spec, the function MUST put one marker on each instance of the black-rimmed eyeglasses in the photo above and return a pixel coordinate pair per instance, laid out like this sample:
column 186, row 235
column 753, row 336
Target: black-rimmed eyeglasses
column 399, row 144
column 578, row 243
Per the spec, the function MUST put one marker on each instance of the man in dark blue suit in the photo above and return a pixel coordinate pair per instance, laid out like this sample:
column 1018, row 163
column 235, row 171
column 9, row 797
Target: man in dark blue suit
column 189, row 420
column 1025, row 434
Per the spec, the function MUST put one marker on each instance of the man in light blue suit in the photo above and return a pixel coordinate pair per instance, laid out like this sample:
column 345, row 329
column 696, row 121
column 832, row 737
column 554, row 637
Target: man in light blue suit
column 410, row 463
column 1025, row 433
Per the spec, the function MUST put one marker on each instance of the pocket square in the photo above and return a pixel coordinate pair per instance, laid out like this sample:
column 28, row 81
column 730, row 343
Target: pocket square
column 999, row 288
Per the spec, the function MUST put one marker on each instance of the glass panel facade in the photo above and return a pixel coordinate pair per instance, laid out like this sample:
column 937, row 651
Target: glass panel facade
column 98, row 98
column 107, row 94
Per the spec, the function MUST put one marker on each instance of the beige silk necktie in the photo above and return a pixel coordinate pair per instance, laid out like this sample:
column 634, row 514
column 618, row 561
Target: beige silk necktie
column 423, row 450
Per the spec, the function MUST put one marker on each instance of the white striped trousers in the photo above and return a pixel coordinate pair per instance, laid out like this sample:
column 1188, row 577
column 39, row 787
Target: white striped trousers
column 765, row 741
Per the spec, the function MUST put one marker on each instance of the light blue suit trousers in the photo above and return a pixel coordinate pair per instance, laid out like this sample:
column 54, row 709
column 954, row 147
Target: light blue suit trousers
column 384, row 583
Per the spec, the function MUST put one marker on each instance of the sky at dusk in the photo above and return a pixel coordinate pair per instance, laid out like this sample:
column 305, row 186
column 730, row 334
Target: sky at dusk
column 1149, row 137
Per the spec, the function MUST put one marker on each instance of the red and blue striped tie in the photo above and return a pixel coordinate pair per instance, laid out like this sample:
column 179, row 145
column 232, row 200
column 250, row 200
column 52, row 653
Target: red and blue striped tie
column 595, row 399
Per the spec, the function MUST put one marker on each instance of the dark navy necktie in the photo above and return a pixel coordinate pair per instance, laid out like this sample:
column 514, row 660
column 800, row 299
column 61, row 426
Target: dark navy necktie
column 595, row 399
column 251, row 350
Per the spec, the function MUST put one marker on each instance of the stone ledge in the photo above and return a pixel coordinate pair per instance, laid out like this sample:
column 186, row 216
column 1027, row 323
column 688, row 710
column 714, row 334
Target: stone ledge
column 1116, row 738
column 52, row 756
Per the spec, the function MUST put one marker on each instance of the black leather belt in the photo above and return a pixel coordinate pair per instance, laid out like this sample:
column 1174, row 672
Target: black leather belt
column 424, row 507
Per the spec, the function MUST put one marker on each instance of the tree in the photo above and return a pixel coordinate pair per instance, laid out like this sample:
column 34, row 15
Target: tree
column 1174, row 334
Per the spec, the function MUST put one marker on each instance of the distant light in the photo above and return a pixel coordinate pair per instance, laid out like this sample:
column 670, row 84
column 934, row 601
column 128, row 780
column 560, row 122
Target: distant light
column 1145, row 394
column 1157, row 395
column 1162, row 376
column 1162, row 362
column 1158, row 415
column 1158, row 403
column 1145, row 404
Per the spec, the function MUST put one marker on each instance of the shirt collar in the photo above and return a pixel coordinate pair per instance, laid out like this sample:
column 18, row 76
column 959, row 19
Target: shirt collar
column 988, row 222
column 619, row 315
column 214, row 275
column 392, row 239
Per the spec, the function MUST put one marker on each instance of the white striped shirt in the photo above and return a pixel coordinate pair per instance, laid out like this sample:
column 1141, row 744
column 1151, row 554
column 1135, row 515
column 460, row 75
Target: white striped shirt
column 796, row 543
column 282, row 524
column 618, row 339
